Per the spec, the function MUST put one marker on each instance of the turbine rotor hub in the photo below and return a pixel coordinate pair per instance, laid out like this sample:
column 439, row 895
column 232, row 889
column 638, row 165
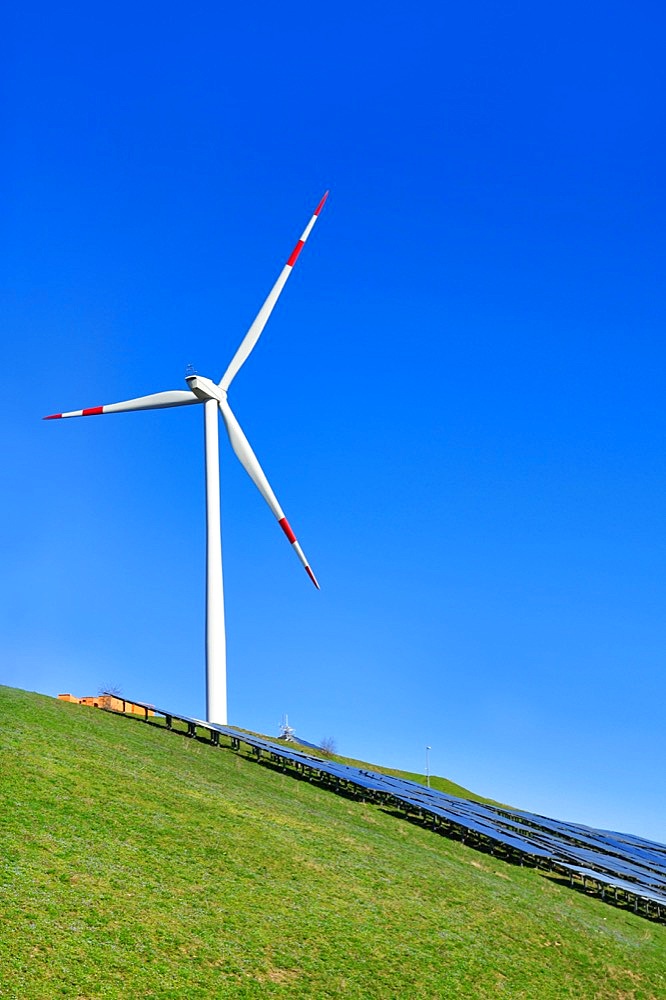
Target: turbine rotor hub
column 205, row 388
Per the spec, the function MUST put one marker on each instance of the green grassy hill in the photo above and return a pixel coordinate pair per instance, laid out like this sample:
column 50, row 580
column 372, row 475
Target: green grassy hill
column 137, row 863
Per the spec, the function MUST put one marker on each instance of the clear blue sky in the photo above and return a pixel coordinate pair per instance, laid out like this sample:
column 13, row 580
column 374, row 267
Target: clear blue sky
column 459, row 399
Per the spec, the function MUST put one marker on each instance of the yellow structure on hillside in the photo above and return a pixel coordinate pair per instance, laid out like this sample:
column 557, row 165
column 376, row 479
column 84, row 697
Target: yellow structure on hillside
column 110, row 701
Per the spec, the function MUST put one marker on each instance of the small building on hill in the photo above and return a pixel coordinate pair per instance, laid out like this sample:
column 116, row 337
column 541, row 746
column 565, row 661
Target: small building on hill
column 110, row 701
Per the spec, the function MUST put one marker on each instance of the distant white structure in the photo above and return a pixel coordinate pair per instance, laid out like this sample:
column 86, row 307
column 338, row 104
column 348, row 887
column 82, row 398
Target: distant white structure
column 286, row 732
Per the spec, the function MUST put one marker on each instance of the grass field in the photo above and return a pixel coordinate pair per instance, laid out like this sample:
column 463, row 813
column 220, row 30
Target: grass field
column 138, row 863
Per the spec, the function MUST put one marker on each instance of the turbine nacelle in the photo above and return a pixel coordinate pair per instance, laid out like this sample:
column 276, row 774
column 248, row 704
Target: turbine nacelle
column 205, row 389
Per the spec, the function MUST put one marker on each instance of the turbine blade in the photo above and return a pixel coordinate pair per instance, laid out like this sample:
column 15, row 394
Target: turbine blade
column 253, row 334
column 249, row 461
column 156, row 401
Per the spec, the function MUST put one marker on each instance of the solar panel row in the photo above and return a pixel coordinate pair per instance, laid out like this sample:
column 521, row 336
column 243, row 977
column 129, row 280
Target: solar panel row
column 632, row 868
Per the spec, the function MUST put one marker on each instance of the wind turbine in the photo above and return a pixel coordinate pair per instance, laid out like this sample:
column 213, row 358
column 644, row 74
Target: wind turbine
column 213, row 395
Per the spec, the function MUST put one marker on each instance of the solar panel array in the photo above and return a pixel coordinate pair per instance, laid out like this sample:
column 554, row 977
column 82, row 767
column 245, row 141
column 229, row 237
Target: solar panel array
column 621, row 868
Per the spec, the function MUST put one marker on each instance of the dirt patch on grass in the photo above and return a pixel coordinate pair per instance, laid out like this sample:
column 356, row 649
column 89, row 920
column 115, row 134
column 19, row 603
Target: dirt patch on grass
column 275, row 975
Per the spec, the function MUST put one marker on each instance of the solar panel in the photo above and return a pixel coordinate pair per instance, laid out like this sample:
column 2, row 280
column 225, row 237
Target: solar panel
column 621, row 862
column 617, row 883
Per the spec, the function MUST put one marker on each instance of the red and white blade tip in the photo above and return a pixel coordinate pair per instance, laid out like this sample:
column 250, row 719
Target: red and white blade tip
column 321, row 204
column 91, row 412
column 293, row 257
column 286, row 527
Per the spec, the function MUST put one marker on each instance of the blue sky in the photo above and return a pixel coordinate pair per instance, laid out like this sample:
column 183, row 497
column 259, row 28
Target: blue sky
column 458, row 400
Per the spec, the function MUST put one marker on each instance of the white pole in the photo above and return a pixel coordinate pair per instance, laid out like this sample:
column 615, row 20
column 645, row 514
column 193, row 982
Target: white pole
column 216, row 646
column 428, row 749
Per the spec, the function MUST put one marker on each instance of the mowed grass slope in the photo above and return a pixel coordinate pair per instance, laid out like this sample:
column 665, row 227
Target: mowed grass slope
column 137, row 863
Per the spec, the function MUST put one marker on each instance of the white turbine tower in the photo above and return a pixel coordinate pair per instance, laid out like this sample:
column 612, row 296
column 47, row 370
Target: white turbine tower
column 214, row 396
